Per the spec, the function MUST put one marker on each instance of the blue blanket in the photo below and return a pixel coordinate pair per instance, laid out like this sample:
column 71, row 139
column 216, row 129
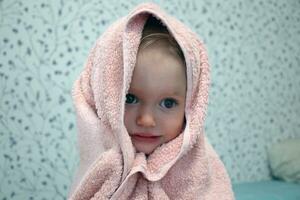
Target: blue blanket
column 267, row 190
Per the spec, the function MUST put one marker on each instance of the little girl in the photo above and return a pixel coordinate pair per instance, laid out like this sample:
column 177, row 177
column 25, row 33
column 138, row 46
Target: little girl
column 140, row 104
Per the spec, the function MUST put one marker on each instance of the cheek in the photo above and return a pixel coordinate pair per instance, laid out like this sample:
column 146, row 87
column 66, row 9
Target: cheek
column 128, row 118
column 174, row 127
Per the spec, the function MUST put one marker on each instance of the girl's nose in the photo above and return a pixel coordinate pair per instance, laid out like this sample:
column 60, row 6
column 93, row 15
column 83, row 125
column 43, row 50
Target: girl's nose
column 146, row 120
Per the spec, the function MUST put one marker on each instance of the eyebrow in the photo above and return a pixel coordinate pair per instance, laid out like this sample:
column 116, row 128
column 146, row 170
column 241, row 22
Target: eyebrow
column 175, row 93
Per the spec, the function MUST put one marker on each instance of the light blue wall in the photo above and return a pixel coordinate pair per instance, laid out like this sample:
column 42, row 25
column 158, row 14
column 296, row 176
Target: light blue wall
column 253, row 46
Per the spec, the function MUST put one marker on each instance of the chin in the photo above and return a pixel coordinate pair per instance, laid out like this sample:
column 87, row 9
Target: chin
column 146, row 151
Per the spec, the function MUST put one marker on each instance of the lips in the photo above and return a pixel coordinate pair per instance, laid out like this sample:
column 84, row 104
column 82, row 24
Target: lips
column 145, row 137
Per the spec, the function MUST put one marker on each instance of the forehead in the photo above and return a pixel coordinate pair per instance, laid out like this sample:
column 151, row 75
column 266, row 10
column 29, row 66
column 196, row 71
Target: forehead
column 161, row 56
column 158, row 68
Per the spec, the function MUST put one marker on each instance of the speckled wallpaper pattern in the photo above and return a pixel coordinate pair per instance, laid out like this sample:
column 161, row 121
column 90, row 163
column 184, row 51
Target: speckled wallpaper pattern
column 253, row 47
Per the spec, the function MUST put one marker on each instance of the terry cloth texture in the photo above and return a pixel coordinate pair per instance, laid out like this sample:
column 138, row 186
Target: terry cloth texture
column 186, row 168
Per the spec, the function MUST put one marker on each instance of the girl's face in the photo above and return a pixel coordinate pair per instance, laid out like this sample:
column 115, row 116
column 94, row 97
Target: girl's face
column 155, row 103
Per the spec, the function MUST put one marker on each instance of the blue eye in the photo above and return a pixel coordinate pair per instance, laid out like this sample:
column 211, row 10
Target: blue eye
column 131, row 99
column 168, row 103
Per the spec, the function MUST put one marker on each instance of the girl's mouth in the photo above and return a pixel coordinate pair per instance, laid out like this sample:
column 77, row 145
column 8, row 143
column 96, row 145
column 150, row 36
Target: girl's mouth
column 145, row 137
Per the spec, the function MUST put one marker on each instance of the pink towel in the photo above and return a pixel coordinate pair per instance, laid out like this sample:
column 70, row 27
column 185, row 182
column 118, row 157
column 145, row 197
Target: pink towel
column 187, row 167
